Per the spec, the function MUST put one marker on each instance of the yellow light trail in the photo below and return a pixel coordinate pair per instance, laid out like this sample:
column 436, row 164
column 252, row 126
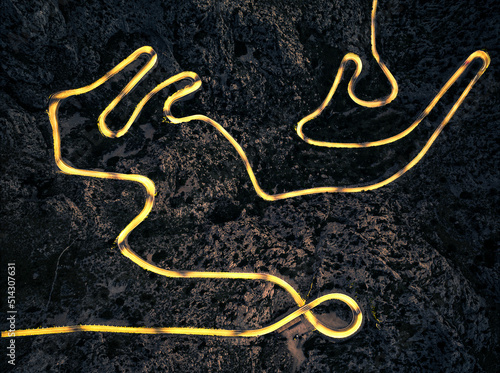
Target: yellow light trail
column 122, row 240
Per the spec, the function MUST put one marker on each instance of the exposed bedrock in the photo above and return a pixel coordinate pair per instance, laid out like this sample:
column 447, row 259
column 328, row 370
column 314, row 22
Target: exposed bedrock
column 419, row 255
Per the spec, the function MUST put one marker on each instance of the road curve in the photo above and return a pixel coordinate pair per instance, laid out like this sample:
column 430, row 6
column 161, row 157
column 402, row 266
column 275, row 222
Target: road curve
column 195, row 83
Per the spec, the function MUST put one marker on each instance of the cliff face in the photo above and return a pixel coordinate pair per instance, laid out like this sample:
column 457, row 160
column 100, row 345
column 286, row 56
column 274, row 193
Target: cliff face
column 419, row 255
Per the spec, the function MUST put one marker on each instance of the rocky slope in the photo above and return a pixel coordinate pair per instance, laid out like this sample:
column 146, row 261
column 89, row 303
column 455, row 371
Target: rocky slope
column 420, row 255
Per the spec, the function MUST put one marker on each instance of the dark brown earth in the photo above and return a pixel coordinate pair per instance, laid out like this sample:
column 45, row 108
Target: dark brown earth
column 420, row 255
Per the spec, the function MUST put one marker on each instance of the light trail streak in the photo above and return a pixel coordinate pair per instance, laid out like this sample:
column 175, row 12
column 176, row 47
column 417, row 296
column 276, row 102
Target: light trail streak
column 122, row 240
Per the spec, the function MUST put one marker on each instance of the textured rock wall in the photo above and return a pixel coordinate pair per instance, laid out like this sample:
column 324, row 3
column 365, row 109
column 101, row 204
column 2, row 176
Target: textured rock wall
column 420, row 255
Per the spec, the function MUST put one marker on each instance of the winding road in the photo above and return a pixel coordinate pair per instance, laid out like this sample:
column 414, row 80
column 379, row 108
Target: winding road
column 304, row 309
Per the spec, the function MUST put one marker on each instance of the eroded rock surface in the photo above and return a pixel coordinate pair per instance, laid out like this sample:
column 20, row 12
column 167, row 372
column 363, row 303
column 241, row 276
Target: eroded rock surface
column 420, row 255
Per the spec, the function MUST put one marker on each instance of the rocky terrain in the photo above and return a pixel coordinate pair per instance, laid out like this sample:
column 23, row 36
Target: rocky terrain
column 420, row 255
